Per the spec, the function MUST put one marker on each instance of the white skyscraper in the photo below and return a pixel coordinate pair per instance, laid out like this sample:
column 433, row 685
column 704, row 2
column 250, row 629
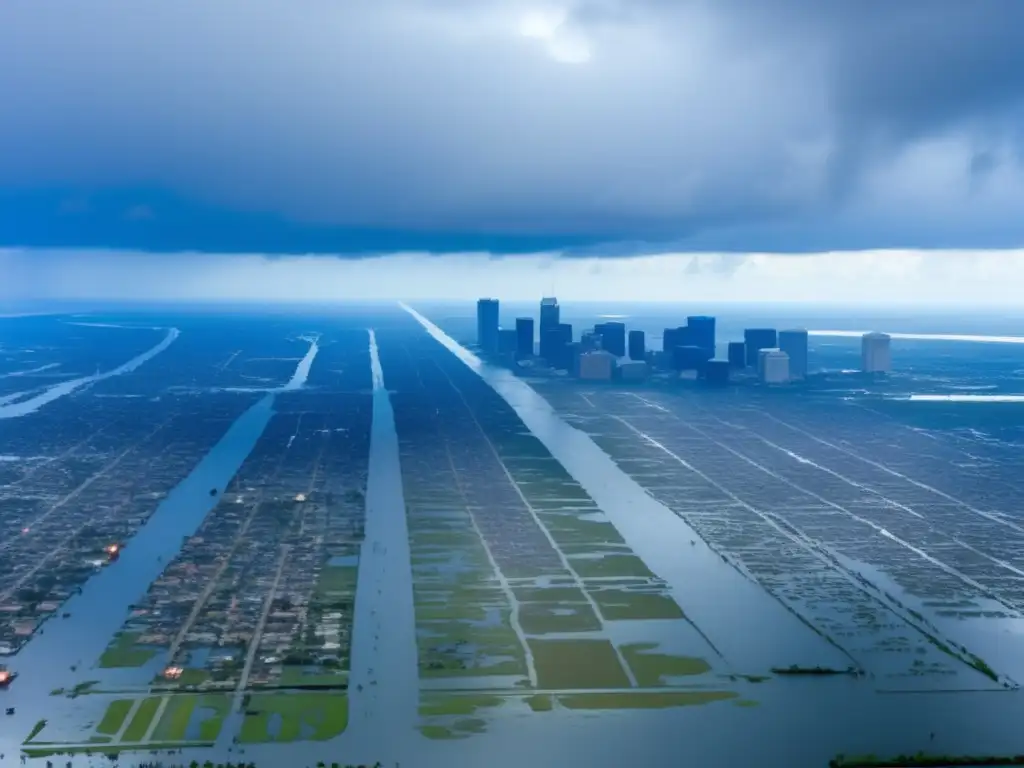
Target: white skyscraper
column 794, row 344
column 876, row 353
column 773, row 366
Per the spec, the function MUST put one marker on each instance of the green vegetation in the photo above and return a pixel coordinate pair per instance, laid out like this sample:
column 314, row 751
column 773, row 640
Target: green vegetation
column 139, row 724
column 540, row 702
column 610, row 566
column 123, row 652
column 298, row 717
column 577, row 664
column 36, row 730
column 174, row 722
column 83, row 687
column 547, row 618
column 625, row 604
column 922, row 759
column 549, row 594
column 114, row 717
column 642, row 700
column 460, row 729
column 335, row 579
column 441, row 705
column 651, row 669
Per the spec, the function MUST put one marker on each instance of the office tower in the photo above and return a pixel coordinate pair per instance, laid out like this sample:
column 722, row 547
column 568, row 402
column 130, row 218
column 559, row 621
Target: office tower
column 507, row 342
column 613, row 337
column 637, row 347
column 756, row 339
column 876, row 352
column 773, row 366
column 794, row 343
column 672, row 338
column 716, row 372
column 597, row 366
column 590, row 341
column 702, row 332
column 524, row 337
column 737, row 355
column 549, row 318
column 487, row 325
column 690, row 358
column 565, row 329
column 553, row 347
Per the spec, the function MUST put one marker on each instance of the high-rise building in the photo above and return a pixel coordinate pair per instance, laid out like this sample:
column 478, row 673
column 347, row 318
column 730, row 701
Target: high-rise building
column 737, row 355
column 637, row 347
column 524, row 337
column 553, row 347
column 690, row 358
column 550, row 315
column 716, row 372
column 794, row 343
column 756, row 339
column 702, row 332
column 487, row 325
column 876, row 352
column 669, row 340
column 773, row 366
column 565, row 329
column 507, row 342
column 613, row 337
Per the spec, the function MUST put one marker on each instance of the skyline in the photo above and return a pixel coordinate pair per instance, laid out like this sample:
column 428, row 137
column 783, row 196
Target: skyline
column 618, row 128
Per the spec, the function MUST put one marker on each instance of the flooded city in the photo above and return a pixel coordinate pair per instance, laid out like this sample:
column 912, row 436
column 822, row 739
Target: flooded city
column 345, row 539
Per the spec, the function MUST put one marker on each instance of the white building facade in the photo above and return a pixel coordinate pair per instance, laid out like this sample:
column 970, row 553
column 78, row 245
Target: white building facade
column 876, row 353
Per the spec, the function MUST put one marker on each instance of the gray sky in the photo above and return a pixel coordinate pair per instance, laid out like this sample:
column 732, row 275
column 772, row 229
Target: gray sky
column 966, row 279
column 743, row 125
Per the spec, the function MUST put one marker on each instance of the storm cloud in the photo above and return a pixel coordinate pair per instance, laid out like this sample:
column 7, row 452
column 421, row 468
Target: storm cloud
column 595, row 126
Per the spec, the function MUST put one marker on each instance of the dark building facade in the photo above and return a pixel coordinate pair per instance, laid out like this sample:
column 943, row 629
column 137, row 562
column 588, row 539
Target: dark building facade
column 737, row 354
column 756, row 339
column 690, row 358
column 487, row 325
column 637, row 346
column 702, row 332
column 524, row 337
column 550, row 315
column 716, row 372
column 507, row 342
column 613, row 337
column 795, row 343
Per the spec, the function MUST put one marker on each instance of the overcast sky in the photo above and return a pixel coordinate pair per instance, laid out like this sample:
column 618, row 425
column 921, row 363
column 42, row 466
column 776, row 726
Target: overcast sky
column 889, row 278
column 585, row 127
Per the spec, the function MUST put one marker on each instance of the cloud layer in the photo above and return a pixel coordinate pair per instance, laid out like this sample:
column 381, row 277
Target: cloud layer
column 887, row 278
column 504, row 125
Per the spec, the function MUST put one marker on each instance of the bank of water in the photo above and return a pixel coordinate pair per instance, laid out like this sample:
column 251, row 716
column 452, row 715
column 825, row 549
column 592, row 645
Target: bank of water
column 97, row 613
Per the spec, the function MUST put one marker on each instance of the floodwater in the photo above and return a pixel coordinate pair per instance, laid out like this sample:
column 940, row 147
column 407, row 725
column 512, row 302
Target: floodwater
column 46, row 663
column 797, row 722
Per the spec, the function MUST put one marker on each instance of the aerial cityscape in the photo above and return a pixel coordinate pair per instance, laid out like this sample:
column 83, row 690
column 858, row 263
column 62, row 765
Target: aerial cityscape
column 511, row 383
column 366, row 538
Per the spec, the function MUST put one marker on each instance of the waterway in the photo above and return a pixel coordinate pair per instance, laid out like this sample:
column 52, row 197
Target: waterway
column 47, row 396
column 383, row 683
column 96, row 614
column 797, row 722
column 728, row 606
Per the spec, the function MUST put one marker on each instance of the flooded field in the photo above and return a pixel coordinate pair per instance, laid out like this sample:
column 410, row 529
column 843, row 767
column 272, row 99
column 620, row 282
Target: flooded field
column 526, row 596
column 862, row 554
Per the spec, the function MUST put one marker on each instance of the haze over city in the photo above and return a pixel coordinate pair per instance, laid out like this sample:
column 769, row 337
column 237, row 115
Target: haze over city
column 501, row 383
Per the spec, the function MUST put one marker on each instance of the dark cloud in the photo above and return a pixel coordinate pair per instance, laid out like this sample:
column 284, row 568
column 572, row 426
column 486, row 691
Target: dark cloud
column 265, row 125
